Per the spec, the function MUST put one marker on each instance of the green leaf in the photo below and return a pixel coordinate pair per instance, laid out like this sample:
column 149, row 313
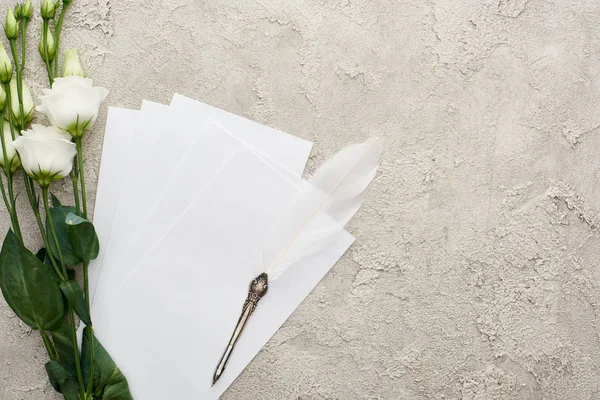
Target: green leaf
column 29, row 287
column 56, row 372
column 62, row 381
column 55, row 201
column 74, row 296
column 44, row 257
column 109, row 381
column 70, row 389
column 83, row 237
column 51, row 375
column 63, row 343
column 59, row 216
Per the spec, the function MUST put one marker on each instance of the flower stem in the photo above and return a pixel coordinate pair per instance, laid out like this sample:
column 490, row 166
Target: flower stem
column 13, row 201
column 19, row 77
column 10, row 201
column 53, row 231
column 86, row 286
column 23, row 42
column 71, row 313
column 75, row 181
column 57, row 31
column 81, row 175
column 90, row 386
column 86, row 282
column 29, row 188
column 48, row 345
column 45, row 50
column 62, row 274
column 11, row 211
column 28, row 181
column 76, row 353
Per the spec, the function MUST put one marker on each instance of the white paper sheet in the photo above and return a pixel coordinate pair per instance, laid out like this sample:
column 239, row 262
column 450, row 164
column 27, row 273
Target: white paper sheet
column 135, row 179
column 288, row 151
column 168, row 325
column 160, row 142
column 120, row 126
column 205, row 157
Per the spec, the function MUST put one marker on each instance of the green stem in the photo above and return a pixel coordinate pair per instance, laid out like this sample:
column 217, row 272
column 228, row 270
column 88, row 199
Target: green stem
column 48, row 345
column 71, row 313
column 12, row 206
column 53, row 230
column 11, row 212
column 19, row 77
column 28, row 181
column 76, row 353
column 29, row 188
column 13, row 200
column 75, row 181
column 6, row 203
column 86, row 282
column 45, row 50
column 81, row 175
column 61, row 272
column 9, row 106
column 23, row 43
column 57, row 31
column 90, row 386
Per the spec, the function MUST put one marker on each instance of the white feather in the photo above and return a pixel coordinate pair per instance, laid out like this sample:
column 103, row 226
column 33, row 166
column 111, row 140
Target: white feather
column 322, row 208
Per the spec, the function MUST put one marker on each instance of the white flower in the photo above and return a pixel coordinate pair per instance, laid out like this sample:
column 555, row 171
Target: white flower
column 45, row 155
column 27, row 103
column 72, row 104
column 11, row 153
column 38, row 130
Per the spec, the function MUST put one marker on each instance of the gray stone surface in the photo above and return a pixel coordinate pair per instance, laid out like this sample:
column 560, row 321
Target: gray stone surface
column 475, row 270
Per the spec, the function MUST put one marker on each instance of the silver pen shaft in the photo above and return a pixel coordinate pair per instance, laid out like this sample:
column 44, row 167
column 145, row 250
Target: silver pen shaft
column 258, row 288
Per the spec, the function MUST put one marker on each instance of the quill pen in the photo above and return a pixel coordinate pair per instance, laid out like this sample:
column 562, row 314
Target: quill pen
column 321, row 209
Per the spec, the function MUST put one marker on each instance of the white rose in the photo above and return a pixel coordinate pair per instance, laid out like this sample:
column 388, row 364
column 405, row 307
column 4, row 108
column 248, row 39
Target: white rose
column 72, row 104
column 45, row 156
column 11, row 152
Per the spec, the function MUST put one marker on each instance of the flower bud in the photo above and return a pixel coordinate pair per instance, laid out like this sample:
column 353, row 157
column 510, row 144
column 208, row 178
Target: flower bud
column 6, row 70
column 11, row 28
column 27, row 10
column 48, row 9
column 50, row 50
column 18, row 11
column 72, row 66
column 12, row 158
column 28, row 104
column 2, row 98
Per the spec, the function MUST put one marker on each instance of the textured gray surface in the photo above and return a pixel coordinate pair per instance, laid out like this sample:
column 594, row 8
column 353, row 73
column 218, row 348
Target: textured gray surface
column 475, row 271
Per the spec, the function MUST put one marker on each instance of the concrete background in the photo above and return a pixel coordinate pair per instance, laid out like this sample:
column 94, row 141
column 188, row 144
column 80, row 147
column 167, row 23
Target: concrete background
column 475, row 271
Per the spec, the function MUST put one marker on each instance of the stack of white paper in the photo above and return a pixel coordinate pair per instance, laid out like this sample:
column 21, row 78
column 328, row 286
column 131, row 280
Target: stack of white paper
column 180, row 212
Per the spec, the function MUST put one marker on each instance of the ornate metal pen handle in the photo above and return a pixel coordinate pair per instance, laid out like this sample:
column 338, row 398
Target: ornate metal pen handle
column 258, row 288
